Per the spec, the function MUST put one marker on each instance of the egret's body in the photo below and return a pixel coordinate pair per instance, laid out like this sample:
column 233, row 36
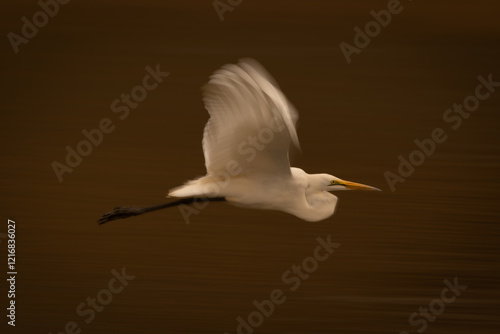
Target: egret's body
column 296, row 193
column 246, row 143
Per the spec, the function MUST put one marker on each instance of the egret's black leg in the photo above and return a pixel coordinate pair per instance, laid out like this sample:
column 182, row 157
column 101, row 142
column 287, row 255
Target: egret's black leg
column 122, row 212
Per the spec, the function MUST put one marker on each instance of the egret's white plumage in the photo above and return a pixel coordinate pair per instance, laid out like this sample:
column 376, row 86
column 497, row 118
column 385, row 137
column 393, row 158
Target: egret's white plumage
column 246, row 143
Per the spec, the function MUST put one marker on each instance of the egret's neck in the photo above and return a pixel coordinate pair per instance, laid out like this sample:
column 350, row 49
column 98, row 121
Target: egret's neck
column 315, row 203
column 321, row 205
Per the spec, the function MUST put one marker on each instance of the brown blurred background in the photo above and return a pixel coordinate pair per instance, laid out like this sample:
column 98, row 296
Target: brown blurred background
column 355, row 119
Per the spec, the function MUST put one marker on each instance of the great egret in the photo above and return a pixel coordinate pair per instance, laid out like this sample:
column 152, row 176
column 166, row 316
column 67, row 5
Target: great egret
column 245, row 143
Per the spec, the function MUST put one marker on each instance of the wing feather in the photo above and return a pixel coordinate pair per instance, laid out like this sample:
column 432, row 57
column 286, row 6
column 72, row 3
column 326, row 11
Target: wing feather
column 251, row 121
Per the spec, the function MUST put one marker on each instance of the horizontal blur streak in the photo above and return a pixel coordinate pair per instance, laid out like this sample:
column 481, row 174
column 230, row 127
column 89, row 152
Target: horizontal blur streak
column 355, row 119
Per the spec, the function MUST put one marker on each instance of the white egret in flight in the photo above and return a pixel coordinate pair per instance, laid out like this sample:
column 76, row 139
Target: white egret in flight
column 246, row 143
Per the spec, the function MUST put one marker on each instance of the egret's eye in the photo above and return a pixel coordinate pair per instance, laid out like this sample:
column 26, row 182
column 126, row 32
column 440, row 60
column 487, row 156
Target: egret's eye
column 335, row 182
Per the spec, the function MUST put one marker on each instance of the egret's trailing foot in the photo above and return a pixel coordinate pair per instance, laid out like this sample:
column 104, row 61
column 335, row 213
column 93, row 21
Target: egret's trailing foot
column 119, row 213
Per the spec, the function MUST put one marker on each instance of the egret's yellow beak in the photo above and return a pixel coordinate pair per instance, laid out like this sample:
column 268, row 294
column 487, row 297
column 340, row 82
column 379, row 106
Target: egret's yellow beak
column 357, row 186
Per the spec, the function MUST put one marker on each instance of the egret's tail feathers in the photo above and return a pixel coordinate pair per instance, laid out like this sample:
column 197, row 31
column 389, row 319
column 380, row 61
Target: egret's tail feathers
column 202, row 187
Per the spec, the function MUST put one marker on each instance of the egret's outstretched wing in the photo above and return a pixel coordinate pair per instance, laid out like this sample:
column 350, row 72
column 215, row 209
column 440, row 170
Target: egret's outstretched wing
column 251, row 121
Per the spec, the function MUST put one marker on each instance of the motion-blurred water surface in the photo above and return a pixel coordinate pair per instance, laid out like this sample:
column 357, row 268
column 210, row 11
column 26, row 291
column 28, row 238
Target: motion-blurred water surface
column 396, row 248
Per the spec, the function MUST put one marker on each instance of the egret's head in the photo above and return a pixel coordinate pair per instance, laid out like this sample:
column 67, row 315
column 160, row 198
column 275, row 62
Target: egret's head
column 332, row 183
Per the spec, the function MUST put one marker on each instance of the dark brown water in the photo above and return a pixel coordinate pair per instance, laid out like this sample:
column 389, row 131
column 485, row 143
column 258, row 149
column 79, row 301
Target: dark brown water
column 355, row 120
